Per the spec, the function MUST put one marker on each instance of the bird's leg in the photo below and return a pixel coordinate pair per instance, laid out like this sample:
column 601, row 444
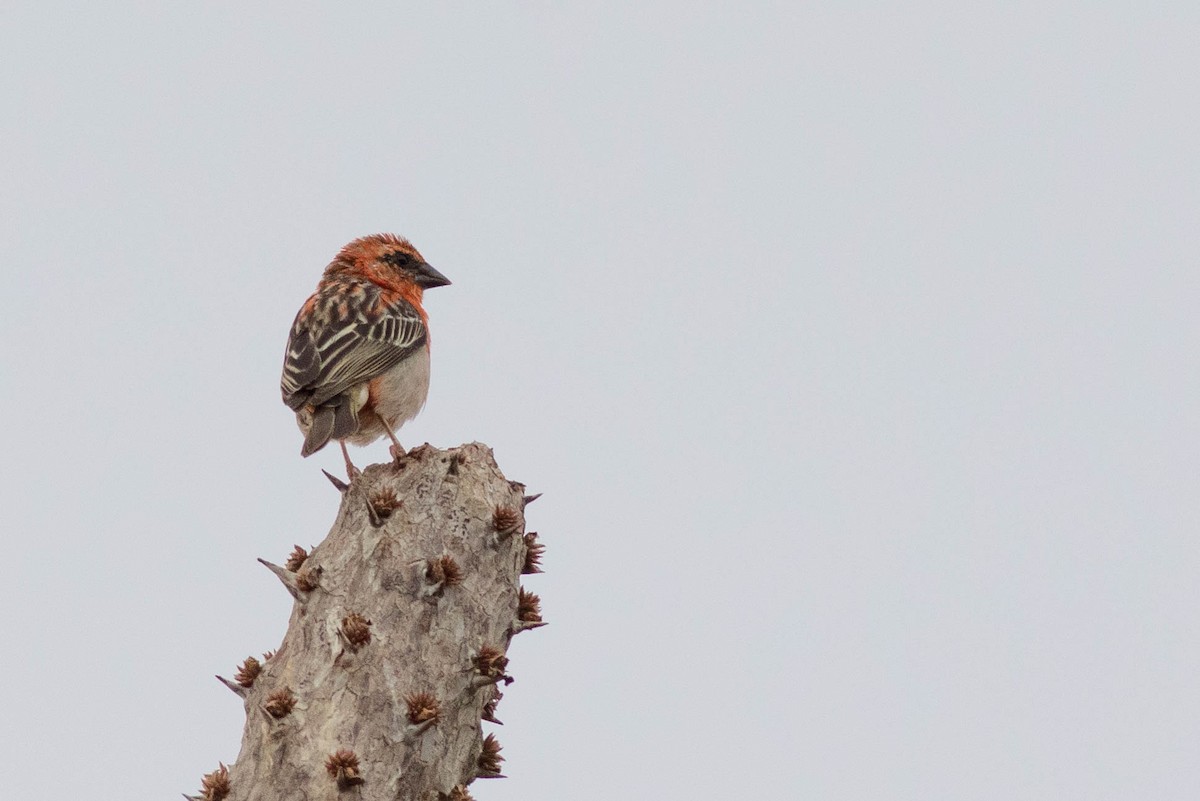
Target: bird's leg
column 397, row 450
column 352, row 472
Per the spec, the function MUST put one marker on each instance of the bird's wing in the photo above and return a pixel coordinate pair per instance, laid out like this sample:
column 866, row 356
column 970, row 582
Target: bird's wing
column 339, row 341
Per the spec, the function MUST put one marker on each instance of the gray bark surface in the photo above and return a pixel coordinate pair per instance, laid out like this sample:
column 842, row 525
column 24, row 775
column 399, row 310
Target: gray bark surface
column 344, row 686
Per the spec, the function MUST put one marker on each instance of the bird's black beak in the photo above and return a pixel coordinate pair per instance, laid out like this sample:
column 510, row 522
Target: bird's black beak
column 427, row 277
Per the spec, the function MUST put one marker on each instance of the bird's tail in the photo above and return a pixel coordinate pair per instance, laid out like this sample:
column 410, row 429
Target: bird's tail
column 329, row 422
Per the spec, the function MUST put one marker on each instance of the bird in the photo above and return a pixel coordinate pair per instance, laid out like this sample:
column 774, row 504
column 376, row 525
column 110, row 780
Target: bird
column 356, row 365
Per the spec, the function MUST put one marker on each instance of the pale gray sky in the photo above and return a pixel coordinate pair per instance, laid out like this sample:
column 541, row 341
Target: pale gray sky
column 853, row 346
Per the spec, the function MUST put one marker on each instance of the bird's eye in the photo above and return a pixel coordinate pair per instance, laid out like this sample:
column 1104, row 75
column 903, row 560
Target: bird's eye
column 398, row 258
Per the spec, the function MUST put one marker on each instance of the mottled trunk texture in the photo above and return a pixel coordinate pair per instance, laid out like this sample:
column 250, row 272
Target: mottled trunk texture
column 395, row 648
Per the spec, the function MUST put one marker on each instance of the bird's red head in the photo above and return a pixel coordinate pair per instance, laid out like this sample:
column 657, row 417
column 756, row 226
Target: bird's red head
column 388, row 260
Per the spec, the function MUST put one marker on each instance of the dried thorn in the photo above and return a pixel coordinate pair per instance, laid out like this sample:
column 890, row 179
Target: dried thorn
column 489, row 667
column 490, row 661
column 287, row 577
column 248, row 672
column 381, row 505
column 343, row 766
column 267, row 655
column 506, row 520
column 422, row 707
column 533, row 554
column 238, row 689
column 215, row 786
column 280, row 703
column 296, row 559
column 309, row 578
column 528, row 499
column 441, row 573
column 525, row 625
column 192, row 797
column 356, row 630
column 529, row 607
column 342, row 486
column 489, row 759
column 457, row 793
column 489, row 709
column 385, row 502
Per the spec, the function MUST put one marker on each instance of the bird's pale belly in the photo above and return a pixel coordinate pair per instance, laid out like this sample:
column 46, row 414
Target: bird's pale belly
column 396, row 396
